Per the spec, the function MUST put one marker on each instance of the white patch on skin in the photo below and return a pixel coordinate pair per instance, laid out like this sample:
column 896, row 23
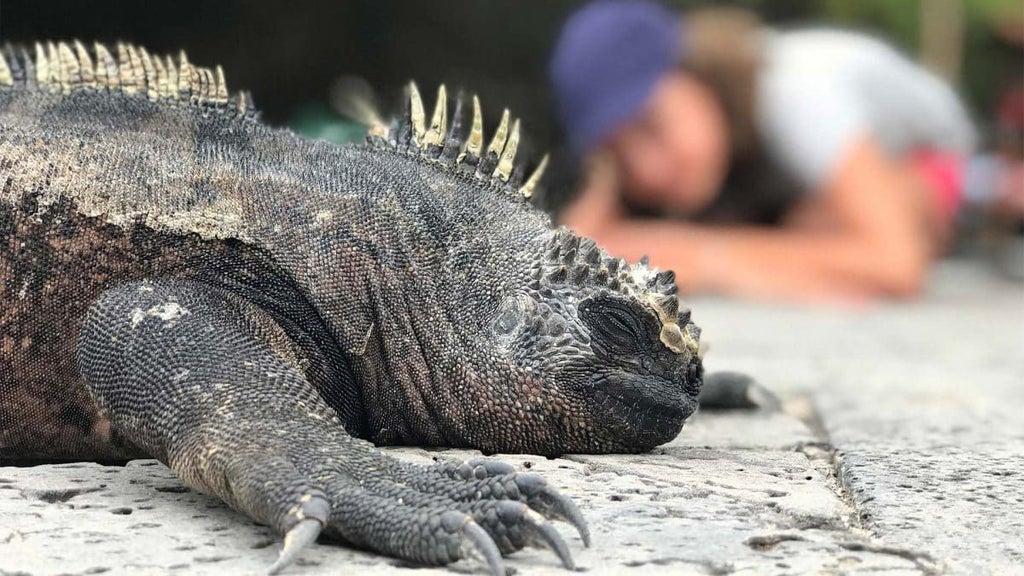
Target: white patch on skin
column 137, row 317
column 324, row 217
column 168, row 312
column 217, row 221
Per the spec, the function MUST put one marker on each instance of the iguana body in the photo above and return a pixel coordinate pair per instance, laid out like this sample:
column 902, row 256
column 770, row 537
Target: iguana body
column 180, row 281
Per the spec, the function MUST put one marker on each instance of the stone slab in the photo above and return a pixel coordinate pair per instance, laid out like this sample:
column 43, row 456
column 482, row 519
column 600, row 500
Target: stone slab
column 733, row 494
column 922, row 400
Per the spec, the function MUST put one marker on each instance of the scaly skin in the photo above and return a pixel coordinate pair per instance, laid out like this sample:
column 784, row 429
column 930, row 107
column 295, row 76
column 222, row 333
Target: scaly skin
column 257, row 310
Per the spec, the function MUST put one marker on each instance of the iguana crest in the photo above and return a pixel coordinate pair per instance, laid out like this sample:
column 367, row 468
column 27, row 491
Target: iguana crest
column 570, row 259
column 63, row 67
column 437, row 142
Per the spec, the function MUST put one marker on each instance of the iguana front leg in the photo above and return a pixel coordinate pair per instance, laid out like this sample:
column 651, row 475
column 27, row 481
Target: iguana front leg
column 206, row 383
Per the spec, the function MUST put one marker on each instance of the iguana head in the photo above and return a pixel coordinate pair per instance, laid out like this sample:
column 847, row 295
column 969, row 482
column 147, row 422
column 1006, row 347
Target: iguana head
column 561, row 347
column 607, row 343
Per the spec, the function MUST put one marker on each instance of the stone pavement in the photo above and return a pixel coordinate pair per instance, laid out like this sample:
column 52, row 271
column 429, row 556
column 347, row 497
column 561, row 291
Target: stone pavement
column 900, row 452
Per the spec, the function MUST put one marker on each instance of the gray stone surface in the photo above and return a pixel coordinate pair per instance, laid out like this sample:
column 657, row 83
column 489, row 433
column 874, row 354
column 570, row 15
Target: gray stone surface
column 722, row 498
column 921, row 402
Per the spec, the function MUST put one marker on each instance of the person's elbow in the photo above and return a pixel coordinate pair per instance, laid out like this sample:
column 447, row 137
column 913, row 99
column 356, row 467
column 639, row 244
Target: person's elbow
column 900, row 274
column 904, row 284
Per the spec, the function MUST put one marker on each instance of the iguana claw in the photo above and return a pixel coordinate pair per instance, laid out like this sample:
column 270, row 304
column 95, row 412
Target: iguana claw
column 551, row 504
column 480, row 542
column 546, row 534
column 301, row 535
column 564, row 509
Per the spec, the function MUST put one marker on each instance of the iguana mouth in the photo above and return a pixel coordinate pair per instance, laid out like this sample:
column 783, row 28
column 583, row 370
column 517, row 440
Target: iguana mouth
column 652, row 408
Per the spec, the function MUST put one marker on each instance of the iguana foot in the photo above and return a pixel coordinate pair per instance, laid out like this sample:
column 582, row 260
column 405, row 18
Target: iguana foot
column 199, row 379
column 486, row 476
column 430, row 514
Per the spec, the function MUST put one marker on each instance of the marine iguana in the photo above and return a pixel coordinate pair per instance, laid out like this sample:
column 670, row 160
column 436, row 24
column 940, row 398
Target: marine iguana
column 257, row 310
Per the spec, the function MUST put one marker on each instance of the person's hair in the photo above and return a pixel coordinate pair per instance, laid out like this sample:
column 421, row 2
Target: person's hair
column 721, row 48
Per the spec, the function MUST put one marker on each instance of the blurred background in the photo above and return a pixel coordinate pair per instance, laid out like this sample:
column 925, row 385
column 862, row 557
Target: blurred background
column 289, row 54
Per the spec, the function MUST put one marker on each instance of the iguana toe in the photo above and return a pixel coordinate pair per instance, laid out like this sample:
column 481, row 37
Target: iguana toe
column 728, row 390
column 488, row 479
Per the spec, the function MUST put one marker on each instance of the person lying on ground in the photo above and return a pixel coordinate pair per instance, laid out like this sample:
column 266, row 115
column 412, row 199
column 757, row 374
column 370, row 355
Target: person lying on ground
column 804, row 164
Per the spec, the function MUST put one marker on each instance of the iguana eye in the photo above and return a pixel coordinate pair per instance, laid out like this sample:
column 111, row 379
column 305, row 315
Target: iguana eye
column 615, row 323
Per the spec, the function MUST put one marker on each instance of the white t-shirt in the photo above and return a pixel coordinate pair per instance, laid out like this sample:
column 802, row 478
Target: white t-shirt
column 820, row 90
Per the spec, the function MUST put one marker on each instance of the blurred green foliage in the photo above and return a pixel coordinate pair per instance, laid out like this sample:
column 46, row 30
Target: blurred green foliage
column 317, row 120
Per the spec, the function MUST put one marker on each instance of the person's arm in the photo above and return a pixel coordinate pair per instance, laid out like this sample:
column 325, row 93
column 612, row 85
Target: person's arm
column 863, row 236
column 597, row 205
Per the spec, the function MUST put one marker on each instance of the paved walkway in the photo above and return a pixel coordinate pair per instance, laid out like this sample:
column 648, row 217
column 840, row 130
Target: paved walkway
column 901, row 451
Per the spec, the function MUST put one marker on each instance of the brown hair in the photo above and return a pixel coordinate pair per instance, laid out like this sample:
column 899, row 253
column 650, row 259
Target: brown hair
column 720, row 47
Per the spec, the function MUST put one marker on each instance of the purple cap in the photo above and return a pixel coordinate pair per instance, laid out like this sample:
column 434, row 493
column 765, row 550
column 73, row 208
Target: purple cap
column 609, row 57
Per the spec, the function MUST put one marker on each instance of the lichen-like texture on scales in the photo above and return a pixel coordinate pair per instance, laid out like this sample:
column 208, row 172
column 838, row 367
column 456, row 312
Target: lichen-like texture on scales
column 257, row 310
